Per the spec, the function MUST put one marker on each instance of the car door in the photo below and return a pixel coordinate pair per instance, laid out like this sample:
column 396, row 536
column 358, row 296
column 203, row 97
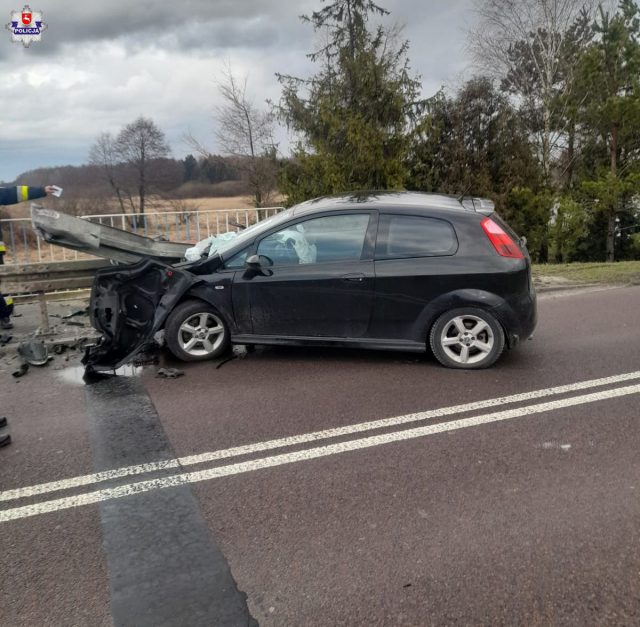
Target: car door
column 414, row 263
column 316, row 278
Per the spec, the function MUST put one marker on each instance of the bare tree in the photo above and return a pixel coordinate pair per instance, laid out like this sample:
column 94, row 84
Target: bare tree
column 246, row 132
column 528, row 44
column 140, row 144
column 102, row 154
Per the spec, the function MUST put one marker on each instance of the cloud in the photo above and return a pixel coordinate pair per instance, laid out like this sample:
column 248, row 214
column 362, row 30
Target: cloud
column 200, row 24
column 100, row 65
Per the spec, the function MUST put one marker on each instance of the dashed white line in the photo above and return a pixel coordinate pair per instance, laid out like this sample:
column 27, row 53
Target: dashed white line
column 305, row 455
column 117, row 473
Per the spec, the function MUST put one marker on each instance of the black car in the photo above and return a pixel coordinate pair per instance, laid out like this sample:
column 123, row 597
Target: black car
column 395, row 271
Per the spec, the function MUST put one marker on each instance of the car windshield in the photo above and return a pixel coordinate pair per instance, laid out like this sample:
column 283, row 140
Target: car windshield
column 250, row 232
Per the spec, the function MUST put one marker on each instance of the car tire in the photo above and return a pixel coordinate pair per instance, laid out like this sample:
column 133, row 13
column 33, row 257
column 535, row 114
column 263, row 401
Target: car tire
column 195, row 331
column 468, row 338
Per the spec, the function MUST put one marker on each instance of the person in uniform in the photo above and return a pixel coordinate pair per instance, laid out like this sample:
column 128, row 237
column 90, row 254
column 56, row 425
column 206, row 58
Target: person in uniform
column 12, row 196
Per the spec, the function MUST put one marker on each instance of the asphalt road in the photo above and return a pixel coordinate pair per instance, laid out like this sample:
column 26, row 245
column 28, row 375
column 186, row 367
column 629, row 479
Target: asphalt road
column 313, row 487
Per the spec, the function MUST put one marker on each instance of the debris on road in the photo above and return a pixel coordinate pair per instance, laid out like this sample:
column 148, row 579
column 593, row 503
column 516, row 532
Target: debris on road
column 241, row 350
column 73, row 323
column 238, row 351
column 21, row 370
column 67, row 337
column 169, row 373
column 77, row 312
column 225, row 361
column 34, row 353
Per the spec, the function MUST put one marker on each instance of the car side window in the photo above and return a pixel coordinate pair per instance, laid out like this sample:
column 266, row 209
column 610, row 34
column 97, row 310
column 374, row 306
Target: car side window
column 331, row 238
column 238, row 260
column 414, row 236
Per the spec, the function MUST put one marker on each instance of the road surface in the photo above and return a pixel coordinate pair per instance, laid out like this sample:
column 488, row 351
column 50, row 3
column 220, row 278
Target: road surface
column 317, row 487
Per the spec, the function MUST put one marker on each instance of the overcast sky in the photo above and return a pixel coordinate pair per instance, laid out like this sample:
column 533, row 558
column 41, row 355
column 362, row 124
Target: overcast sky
column 103, row 63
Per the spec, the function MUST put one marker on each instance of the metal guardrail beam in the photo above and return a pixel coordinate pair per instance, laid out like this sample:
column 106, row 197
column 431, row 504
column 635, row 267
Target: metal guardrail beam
column 47, row 277
column 41, row 278
column 100, row 240
column 175, row 226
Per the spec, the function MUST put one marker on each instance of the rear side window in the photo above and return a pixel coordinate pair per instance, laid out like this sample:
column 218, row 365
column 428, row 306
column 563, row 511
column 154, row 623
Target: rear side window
column 414, row 236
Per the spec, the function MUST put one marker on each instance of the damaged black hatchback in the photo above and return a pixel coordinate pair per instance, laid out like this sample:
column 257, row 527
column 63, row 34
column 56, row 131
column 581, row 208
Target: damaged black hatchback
column 394, row 271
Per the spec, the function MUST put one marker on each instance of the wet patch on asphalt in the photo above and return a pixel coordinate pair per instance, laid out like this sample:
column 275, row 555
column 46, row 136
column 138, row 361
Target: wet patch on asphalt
column 164, row 566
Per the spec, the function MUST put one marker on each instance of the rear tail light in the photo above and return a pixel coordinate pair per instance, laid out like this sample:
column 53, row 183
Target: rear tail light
column 502, row 242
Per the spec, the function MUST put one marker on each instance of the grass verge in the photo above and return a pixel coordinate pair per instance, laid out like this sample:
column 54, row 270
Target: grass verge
column 621, row 272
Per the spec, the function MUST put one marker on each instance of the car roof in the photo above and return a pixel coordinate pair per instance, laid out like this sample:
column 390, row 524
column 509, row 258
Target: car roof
column 381, row 200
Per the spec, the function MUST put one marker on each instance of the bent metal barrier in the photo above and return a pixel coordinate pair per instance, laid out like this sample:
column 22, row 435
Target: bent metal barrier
column 23, row 247
column 33, row 267
column 41, row 279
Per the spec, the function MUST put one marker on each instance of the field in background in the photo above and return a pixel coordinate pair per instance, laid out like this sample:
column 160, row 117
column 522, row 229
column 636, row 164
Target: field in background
column 210, row 204
column 93, row 206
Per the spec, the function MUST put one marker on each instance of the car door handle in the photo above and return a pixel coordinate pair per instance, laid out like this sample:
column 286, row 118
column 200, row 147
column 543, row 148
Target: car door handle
column 353, row 278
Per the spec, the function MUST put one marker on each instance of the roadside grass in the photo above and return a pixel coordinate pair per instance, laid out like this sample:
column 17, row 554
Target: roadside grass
column 622, row 272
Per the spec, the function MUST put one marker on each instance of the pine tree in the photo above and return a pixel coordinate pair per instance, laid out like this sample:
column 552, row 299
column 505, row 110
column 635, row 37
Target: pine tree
column 353, row 117
column 610, row 72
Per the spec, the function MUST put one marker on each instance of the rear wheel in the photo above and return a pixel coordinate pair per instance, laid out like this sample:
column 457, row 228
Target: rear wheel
column 468, row 337
column 195, row 331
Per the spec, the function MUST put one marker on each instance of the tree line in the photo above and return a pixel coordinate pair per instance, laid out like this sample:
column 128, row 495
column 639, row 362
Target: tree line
column 549, row 127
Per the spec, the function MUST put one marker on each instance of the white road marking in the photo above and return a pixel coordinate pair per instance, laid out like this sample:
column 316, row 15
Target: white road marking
column 117, row 473
column 305, row 455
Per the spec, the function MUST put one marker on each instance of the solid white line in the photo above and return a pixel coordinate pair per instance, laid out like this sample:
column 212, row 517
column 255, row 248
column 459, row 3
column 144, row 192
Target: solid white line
column 304, row 455
column 82, row 480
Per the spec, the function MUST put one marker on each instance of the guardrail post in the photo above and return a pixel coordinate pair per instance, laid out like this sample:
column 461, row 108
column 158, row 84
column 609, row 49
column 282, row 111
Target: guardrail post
column 44, row 313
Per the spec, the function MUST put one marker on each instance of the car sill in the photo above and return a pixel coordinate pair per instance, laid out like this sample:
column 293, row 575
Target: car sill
column 300, row 340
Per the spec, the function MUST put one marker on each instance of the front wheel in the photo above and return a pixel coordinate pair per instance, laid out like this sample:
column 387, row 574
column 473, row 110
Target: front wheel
column 468, row 337
column 195, row 331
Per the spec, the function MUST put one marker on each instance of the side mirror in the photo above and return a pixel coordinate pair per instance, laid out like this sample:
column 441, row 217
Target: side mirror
column 256, row 262
column 253, row 262
column 257, row 265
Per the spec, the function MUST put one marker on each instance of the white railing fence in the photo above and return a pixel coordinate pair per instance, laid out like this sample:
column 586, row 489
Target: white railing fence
column 23, row 246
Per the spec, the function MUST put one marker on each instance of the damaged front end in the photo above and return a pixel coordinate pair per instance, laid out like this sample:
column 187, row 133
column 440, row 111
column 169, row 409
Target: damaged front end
column 130, row 304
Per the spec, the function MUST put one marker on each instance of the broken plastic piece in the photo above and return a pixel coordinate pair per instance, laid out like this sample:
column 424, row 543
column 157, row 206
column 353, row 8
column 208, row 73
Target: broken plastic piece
column 21, row 370
column 169, row 373
column 34, row 353
column 240, row 350
column 73, row 323
column 77, row 312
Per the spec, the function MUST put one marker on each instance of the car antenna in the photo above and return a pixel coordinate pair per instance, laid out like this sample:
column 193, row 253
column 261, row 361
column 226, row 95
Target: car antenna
column 465, row 192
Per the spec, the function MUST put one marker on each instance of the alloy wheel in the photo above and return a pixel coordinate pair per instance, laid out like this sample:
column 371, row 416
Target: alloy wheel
column 467, row 339
column 201, row 334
